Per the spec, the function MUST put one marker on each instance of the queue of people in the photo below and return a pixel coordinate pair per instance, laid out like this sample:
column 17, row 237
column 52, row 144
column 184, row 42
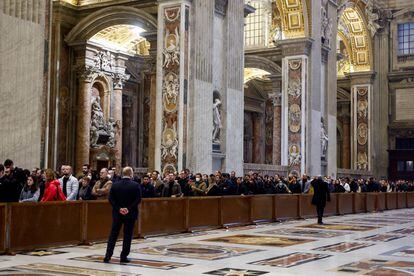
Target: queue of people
column 19, row 185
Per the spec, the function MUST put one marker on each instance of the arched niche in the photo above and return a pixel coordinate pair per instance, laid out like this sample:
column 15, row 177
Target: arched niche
column 101, row 88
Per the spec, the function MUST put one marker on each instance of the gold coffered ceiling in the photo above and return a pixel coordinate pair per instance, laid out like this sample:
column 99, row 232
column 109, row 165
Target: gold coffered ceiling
column 124, row 38
column 352, row 31
column 293, row 18
column 85, row 2
column 254, row 73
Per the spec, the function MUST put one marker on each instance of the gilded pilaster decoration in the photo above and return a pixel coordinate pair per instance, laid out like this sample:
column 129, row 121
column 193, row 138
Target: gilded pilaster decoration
column 174, row 85
column 294, row 98
column 361, row 124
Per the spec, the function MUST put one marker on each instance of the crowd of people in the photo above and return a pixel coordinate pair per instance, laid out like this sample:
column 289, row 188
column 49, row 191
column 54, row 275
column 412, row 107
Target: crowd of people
column 22, row 185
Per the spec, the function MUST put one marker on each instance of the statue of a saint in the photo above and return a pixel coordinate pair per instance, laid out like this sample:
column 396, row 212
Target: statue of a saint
column 216, row 121
column 324, row 140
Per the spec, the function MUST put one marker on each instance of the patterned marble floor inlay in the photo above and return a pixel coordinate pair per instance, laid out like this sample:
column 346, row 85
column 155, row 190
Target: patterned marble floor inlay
column 236, row 272
column 42, row 253
column 378, row 267
column 54, row 269
column 134, row 262
column 380, row 238
column 306, row 233
column 260, row 240
column 356, row 244
column 346, row 227
column 196, row 251
column 291, row 260
column 406, row 251
column 343, row 247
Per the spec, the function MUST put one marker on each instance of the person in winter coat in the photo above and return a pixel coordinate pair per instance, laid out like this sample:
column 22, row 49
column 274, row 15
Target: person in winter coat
column 30, row 191
column 53, row 191
column 320, row 196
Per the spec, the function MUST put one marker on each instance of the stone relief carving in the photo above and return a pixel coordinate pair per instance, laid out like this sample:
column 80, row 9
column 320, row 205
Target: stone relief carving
column 171, row 50
column 99, row 128
column 170, row 91
column 105, row 61
column 326, row 24
column 217, row 125
column 295, row 85
column 372, row 18
column 362, row 161
column 324, row 140
column 294, row 155
column 362, row 134
column 295, row 117
column 169, row 145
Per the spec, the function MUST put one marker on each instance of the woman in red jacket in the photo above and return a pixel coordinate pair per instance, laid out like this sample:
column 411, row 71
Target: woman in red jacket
column 53, row 191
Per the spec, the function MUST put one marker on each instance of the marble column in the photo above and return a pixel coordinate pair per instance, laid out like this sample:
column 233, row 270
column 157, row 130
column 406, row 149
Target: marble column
column 172, row 85
column 258, row 152
column 277, row 126
column 361, row 106
column 83, row 120
column 346, row 143
column 118, row 81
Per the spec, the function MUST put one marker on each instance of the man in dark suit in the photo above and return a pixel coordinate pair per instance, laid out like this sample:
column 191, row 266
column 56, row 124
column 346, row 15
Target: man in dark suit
column 320, row 196
column 124, row 196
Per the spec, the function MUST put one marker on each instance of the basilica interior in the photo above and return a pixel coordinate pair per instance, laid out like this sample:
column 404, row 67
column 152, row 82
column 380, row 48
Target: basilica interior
column 317, row 87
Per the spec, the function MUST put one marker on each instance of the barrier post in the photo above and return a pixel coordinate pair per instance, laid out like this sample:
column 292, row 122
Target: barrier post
column 84, row 223
column 221, row 212
column 251, row 215
column 187, row 215
column 300, row 215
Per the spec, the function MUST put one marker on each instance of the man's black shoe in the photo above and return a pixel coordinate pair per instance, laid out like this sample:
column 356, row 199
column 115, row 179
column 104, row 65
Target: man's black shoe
column 125, row 260
column 106, row 260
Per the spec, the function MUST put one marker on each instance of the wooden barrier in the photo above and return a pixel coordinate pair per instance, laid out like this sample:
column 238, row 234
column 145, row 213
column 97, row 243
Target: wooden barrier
column 162, row 216
column 3, row 228
column 204, row 212
column 401, row 200
column 360, row 205
column 331, row 206
column 34, row 225
column 287, row 206
column 306, row 208
column 391, row 201
column 345, row 203
column 262, row 208
column 410, row 200
column 235, row 210
column 27, row 226
column 381, row 205
column 371, row 202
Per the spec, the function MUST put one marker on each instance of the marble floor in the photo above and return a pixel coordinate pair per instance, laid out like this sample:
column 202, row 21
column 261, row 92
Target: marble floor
column 361, row 244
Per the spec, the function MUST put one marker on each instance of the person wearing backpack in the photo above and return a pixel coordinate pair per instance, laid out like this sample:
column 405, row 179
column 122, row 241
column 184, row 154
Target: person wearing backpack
column 53, row 191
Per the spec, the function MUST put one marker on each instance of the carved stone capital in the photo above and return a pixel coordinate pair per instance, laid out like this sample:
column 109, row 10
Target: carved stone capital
column 276, row 98
column 119, row 80
column 85, row 73
column 294, row 47
column 220, row 7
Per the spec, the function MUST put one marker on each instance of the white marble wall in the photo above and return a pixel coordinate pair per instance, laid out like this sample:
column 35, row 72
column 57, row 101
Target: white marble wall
column 21, row 80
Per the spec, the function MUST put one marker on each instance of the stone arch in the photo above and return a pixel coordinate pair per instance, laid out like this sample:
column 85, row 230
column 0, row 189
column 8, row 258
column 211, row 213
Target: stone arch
column 353, row 30
column 107, row 17
column 262, row 63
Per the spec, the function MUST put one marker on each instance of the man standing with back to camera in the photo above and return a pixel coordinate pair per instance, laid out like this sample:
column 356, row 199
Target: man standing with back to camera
column 124, row 196
column 320, row 196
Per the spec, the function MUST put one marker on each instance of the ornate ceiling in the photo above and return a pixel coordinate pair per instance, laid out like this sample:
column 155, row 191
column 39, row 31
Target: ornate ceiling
column 254, row 73
column 292, row 18
column 395, row 4
column 84, row 2
column 353, row 42
column 124, row 38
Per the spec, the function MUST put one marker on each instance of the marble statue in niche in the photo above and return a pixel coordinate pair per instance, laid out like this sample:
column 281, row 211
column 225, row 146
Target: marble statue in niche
column 100, row 130
column 324, row 140
column 217, row 125
column 294, row 155
column 171, row 50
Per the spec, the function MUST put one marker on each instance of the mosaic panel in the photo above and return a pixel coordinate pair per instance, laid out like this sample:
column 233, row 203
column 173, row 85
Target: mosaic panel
column 343, row 247
column 260, row 240
column 195, row 251
column 378, row 267
column 292, row 259
column 134, row 262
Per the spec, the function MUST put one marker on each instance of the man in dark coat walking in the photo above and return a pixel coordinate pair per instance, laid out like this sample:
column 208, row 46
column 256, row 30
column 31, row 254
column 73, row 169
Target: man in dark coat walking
column 320, row 196
column 124, row 196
